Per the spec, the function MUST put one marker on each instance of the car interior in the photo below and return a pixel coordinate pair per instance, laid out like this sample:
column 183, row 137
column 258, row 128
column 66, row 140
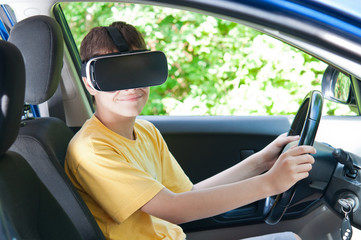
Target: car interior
column 41, row 203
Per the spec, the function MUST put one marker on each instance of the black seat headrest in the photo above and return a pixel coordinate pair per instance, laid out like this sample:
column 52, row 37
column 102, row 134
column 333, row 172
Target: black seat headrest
column 12, row 89
column 43, row 55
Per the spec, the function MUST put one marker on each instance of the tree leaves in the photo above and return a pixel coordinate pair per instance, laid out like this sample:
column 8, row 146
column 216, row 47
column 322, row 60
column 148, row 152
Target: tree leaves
column 216, row 67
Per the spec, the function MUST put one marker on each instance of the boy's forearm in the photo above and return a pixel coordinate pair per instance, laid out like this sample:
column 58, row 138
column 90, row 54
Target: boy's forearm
column 198, row 204
column 292, row 166
column 249, row 167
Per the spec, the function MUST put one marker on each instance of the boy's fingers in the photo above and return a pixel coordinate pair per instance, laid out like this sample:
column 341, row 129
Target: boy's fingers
column 303, row 159
column 284, row 139
column 304, row 168
column 303, row 175
column 299, row 150
column 283, row 135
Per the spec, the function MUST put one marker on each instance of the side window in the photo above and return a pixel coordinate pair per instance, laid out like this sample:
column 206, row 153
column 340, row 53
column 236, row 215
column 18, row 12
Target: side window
column 216, row 67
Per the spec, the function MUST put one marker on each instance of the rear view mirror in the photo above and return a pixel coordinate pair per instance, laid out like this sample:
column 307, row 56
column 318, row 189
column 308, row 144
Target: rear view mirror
column 336, row 86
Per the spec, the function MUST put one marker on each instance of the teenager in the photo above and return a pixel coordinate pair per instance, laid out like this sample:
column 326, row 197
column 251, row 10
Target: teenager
column 132, row 184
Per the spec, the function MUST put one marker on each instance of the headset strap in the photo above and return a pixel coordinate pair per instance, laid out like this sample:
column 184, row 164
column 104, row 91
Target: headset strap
column 118, row 39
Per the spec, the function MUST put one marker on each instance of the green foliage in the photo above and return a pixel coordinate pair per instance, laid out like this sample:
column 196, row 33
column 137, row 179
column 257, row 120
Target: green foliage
column 216, row 67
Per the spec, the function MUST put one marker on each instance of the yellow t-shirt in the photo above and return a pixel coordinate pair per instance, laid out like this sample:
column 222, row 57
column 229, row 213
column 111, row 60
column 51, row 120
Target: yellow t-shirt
column 116, row 176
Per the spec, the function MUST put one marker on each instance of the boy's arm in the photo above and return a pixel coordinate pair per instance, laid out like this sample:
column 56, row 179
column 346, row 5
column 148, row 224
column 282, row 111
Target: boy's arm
column 250, row 167
column 291, row 167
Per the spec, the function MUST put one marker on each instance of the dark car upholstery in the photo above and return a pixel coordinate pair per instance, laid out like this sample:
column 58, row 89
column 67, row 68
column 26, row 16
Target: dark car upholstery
column 43, row 141
column 31, row 210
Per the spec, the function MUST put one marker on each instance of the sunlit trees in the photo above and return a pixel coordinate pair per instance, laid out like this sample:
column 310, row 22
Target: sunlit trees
column 216, row 67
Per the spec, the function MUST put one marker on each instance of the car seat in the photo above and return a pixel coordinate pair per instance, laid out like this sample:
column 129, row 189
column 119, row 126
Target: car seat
column 43, row 141
column 31, row 211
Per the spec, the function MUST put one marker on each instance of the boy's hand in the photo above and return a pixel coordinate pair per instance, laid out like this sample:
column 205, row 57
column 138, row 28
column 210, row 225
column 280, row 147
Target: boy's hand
column 271, row 152
column 292, row 166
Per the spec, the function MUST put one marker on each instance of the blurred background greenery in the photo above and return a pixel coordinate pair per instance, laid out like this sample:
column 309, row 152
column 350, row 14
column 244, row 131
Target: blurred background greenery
column 216, row 67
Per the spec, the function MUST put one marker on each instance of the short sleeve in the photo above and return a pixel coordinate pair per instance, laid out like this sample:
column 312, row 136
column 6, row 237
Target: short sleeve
column 174, row 177
column 117, row 186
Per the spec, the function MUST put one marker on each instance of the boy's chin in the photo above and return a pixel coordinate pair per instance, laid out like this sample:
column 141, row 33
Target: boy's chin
column 129, row 114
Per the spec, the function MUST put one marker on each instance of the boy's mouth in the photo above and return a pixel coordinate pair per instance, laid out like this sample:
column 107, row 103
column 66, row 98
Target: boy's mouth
column 132, row 97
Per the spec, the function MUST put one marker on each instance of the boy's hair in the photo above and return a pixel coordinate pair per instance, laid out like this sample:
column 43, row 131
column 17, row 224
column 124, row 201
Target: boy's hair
column 98, row 42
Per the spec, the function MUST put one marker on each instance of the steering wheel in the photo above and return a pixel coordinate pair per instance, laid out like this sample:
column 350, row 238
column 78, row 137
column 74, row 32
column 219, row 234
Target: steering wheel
column 305, row 124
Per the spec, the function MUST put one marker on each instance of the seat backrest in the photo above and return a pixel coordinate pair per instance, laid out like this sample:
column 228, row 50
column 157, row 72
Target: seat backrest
column 43, row 141
column 31, row 211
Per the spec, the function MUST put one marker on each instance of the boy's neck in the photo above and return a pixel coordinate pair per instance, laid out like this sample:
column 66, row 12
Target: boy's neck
column 123, row 126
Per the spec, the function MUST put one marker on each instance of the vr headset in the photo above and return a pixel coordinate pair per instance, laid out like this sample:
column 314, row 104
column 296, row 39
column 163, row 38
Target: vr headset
column 125, row 69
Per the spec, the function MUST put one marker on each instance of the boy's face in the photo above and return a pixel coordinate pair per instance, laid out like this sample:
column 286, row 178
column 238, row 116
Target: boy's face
column 123, row 103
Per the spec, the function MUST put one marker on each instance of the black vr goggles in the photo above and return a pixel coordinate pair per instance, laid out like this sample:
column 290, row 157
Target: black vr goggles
column 126, row 69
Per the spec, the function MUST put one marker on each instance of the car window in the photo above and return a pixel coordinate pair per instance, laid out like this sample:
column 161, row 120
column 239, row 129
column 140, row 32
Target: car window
column 216, row 67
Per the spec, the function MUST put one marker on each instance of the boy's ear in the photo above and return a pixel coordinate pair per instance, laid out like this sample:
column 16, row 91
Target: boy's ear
column 88, row 87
